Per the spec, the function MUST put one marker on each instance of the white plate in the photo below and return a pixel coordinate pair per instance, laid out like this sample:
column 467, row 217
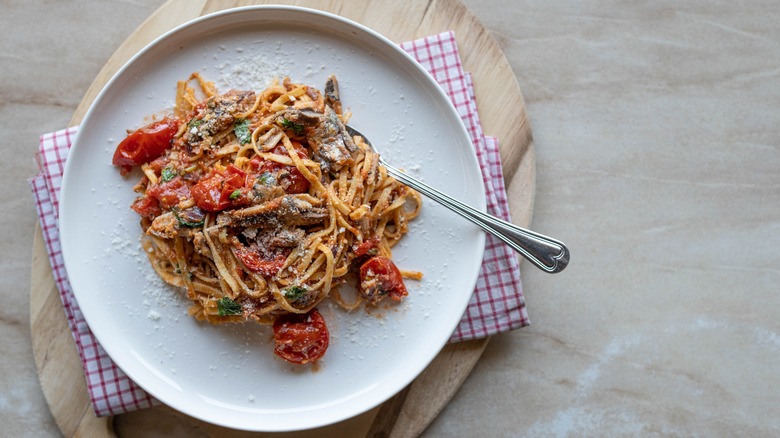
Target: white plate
column 228, row 374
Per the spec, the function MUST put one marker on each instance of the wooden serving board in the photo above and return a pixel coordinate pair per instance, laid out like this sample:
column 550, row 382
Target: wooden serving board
column 503, row 115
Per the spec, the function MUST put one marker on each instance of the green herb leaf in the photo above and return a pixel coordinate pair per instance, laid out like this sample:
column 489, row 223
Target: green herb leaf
column 295, row 127
column 294, row 293
column 227, row 306
column 168, row 174
column 235, row 194
column 185, row 222
column 266, row 179
column 194, row 123
column 241, row 129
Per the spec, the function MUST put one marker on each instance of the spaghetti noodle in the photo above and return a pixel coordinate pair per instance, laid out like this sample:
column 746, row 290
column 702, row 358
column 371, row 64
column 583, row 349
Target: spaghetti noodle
column 260, row 205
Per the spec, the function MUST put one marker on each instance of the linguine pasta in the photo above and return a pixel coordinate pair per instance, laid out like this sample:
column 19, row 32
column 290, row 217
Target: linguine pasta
column 259, row 204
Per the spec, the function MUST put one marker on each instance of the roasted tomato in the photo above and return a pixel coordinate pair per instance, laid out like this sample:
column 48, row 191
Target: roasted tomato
column 379, row 277
column 221, row 189
column 145, row 144
column 368, row 247
column 147, row 206
column 170, row 193
column 301, row 338
column 364, row 251
column 158, row 164
column 164, row 195
column 255, row 262
column 288, row 177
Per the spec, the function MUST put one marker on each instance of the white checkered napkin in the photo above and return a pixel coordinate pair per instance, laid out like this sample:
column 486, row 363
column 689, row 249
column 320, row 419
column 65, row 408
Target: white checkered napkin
column 110, row 390
column 497, row 304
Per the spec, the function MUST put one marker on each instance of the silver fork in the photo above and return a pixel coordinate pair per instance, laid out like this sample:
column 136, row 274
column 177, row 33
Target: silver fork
column 548, row 254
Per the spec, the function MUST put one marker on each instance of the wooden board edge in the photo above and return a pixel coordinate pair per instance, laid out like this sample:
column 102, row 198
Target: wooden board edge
column 410, row 412
column 403, row 416
column 151, row 23
column 72, row 409
column 70, row 406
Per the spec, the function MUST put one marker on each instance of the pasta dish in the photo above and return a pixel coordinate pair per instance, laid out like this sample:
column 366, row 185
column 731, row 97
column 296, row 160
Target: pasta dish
column 259, row 204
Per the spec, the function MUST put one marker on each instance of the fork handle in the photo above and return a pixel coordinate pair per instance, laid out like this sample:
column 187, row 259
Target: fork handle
column 546, row 253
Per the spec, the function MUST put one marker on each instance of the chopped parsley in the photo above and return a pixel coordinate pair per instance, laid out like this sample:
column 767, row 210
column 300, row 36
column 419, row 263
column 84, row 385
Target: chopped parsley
column 294, row 293
column 194, row 221
column 297, row 128
column 235, row 194
column 168, row 174
column 266, row 179
column 241, row 129
column 227, row 307
column 194, row 123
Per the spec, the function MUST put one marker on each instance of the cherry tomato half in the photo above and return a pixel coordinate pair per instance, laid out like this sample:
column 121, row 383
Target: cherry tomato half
column 288, row 177
column 170, row 193
column 255, row 262
column 301, row 338
column 145, row 144
column 147, row 207
column 220, row 190
column 280, row 149
column 368, row 247
column 379, row 277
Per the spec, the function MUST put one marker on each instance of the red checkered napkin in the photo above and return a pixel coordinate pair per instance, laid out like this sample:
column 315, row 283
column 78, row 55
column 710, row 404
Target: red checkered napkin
column 496, row 306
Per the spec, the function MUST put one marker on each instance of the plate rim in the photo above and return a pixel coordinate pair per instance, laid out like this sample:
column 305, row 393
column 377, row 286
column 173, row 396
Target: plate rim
column 161, row 39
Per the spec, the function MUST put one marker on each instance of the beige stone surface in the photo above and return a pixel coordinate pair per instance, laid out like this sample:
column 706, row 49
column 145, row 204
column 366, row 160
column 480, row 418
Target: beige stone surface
column 657, row 133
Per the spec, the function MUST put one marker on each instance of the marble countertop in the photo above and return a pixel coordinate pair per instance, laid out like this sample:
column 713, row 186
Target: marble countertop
column 657, row 134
